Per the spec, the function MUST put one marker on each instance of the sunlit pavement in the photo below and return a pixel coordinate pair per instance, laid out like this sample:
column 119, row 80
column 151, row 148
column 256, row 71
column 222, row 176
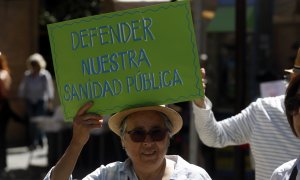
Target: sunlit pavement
column 26, row 164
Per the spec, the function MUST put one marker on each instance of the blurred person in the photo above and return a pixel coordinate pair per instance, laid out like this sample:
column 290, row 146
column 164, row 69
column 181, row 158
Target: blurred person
column 145, row 134
column 289, row 170
column 5, row 111
column 262, row 124
column 37, row 90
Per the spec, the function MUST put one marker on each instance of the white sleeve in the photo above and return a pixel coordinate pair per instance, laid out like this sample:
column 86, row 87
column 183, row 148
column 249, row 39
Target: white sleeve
column 284, row 171
column 235, row 130
column 276, row 176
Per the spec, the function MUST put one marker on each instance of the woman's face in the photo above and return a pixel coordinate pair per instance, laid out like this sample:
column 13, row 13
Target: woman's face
column 35, row 67
column 149, row 153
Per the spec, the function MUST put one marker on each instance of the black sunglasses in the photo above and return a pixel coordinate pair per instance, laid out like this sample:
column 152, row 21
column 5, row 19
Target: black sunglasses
column 292, row 105
column 139, row 135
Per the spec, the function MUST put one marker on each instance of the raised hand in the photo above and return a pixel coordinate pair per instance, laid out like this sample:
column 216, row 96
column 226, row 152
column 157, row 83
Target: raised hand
column 83, row 123
column 200, row 102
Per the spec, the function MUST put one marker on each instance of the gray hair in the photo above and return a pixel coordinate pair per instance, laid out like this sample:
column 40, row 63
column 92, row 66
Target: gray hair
column 167, row 122
column 36, row 57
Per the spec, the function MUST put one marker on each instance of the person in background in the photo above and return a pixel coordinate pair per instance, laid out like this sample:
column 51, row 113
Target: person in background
column 262, row 124
column 37, row 90
column 145, row 134
column 290, row 169
column 5, row 111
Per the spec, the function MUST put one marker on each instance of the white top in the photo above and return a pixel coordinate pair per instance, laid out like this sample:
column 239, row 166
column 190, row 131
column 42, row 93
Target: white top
column 124, row 171
column 284, row 171
column 38, row 87
column 262, row 124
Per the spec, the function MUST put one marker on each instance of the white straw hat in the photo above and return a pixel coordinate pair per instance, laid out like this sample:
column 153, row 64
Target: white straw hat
column 115, row 121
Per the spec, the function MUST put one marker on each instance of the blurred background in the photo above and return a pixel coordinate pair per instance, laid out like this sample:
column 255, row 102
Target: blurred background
column 242, row 44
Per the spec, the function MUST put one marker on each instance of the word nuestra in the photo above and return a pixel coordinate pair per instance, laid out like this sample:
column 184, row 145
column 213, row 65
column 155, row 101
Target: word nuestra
column 116, row 61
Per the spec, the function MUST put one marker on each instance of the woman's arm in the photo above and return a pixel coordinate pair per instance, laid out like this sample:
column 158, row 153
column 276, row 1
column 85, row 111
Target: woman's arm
column 83, row 123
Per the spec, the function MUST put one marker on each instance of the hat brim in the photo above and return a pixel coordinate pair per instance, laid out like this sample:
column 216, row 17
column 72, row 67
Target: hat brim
column 115, row 121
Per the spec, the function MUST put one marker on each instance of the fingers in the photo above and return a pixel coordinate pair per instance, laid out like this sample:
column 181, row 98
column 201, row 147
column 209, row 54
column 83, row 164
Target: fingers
column 93, row 126
column 90, row 119
column 83, row 123
column 203, row 73
column 204, row 81
column 84, row 108
column 90, row 116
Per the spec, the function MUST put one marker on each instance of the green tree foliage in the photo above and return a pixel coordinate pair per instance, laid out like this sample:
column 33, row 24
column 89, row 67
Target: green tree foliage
column 57, row 10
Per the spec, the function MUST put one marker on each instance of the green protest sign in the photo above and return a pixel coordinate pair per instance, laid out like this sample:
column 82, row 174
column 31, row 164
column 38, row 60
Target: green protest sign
column 125, row 59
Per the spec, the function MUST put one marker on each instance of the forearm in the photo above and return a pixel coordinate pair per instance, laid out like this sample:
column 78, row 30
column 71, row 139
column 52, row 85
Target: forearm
column 231, row 131
column 83, row 123
column 65, row 166
column 206, row 126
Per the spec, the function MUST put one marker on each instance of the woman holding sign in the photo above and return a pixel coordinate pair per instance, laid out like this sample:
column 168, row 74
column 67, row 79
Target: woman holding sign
column 145, row 134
